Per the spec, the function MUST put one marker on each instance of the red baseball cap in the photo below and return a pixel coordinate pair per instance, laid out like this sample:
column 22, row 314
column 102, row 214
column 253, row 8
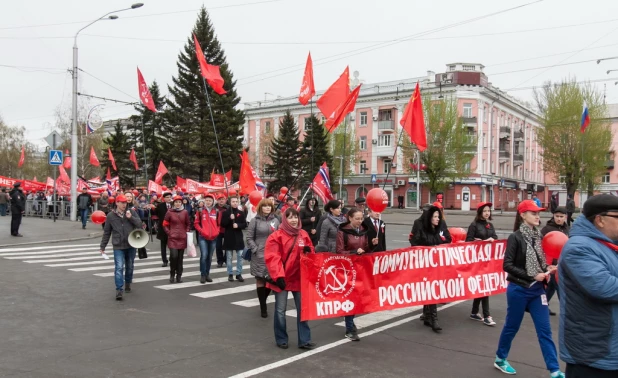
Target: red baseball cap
column 528, row 205
column 177, row 198
column 438, row 205
column 483, row 204
column 121, row 198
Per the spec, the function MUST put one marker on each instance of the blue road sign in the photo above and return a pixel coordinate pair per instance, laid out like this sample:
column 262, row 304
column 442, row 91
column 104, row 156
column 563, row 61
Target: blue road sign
column 55, row 157
column 374, row 178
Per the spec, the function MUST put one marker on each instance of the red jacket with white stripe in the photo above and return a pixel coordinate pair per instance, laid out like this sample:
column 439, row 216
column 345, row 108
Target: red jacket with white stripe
column 206, row 224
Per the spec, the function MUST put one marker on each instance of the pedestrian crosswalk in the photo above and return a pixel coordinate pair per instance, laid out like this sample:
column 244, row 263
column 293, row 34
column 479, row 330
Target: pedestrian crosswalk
column 86, row 259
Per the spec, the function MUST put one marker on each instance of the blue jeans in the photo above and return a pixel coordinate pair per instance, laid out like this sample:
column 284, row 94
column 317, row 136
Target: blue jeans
column 84, row 214
column 123, row 259
column 238, row 262
column 281, row 334
column 349, row 323
column 3, row 209
column 207, row 247
column 552, row 288
column 518, row 299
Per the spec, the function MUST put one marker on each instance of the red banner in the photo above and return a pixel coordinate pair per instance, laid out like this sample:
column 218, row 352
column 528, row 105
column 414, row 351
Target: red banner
column 336, row 285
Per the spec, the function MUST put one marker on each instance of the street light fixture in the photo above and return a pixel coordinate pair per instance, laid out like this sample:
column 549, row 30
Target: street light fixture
column 608, row 71
column 108, row 16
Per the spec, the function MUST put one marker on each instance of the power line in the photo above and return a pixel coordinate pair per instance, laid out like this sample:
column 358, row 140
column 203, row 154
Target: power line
column 29, row 69
column 542, row 67
column 108, row 84
column 550, row 55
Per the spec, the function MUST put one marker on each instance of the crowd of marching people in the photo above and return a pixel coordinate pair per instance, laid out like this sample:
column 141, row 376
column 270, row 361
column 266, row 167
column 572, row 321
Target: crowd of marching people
column 273, row 236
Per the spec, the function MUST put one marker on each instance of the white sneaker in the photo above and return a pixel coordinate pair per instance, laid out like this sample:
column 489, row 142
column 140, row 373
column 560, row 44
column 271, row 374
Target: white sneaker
column 489, row 321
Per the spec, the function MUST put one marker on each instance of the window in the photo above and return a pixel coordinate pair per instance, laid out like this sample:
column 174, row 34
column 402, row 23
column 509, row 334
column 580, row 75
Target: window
column 467, row 166
column 363, row 118
column 267, row 127
column 605, row 179
column 362, row 167
column 384, row 140
column 468, row 67
column 452, row 68
column 385, row 115
column 388, row 163
column 467, row 110
column 308, row 124
column 363, row 142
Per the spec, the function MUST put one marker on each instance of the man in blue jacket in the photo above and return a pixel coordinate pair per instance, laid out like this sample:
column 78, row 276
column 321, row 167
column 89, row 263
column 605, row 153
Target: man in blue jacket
column 588, row 280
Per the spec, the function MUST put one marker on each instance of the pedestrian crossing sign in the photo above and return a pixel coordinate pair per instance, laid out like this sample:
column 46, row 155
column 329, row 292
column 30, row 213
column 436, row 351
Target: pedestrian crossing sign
column 55, row 157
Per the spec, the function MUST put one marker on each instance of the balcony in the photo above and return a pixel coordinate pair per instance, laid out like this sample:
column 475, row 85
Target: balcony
column 518, row 159
column 609, row 164
column 386, row 127
column 505, row 132
column 505, row 155
column 385, row 151
column 518, row 135
column 469, row 122
column 470, row 149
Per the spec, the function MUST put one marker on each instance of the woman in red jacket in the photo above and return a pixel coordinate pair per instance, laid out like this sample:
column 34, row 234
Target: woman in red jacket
column 176, row 225
column 352, row 238
column 282, row 256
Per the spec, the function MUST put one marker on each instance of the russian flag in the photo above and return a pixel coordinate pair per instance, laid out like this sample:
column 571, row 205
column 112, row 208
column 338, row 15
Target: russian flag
column 585, row 119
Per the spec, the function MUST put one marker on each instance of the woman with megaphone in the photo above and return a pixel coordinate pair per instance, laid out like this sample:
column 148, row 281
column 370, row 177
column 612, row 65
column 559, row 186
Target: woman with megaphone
column 176, row 225
column 119, row 224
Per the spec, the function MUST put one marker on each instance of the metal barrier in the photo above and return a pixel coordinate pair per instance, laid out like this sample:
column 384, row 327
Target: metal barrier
column 45, row 209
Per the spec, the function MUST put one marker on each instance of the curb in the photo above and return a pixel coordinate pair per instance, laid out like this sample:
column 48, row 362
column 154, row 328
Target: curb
column 91, row 236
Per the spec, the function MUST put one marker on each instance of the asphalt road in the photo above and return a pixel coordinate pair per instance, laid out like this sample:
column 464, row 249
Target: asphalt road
column 58, row 318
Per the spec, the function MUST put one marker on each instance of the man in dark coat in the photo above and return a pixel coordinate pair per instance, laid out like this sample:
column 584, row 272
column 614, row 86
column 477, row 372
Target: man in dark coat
column 18, row 207
column 375, row 229
column 234, row 221
column 161, row 210
column 570, row 208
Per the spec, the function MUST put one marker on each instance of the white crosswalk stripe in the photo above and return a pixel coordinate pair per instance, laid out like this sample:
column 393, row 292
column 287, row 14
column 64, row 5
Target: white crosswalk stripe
column 48, row 252
column 255, row 302
column 41, row 248
column 67, row 259
column 218, row 293
column 148, row 270
column 91, row 253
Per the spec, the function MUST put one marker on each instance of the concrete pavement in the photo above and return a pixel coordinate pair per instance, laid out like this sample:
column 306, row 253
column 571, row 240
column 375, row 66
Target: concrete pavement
column 41, row 231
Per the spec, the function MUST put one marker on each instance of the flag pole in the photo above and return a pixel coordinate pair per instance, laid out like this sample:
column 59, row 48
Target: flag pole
column 311, row 105
column 146, row 176
column 212, row 119
column 302, row 199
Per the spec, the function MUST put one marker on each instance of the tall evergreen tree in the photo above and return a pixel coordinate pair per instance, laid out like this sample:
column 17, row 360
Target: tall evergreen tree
column 156, row 135
column 194, row 151
column 321, row 152
column 285, row 155
column 118, row 142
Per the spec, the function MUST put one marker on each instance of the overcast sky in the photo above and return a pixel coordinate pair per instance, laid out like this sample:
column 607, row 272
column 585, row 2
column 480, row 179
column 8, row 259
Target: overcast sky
column 261, row 36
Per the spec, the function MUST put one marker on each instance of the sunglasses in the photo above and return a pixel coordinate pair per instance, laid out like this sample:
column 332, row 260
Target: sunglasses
column 609, row 215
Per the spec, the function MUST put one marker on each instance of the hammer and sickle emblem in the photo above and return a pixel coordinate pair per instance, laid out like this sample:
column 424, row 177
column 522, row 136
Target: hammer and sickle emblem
column 337, row 285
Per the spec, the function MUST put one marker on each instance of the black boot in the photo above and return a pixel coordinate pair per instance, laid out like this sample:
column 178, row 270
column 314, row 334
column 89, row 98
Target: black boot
column 426, row 316
column 262, row 298
column 127, row 287
column 172, row 277
column 178, row 279
column 435, row 326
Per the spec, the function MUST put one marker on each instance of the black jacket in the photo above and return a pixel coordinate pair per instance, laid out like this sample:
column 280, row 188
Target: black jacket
column 427, row 235
column 233, row 238
column 570, row 205
column 308, row 225
column 161, row 210
column 370, row 226
column 18, row 201
column 481, row 230
column 515, row 261
column 552, row 226
column 119, row 229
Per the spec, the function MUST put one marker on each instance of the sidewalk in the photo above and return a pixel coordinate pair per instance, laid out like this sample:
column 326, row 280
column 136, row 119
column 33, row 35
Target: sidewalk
column 40, row 231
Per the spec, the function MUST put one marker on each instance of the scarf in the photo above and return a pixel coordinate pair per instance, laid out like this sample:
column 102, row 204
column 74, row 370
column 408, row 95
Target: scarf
column 181, row 208
column 534, row 257
column 287, row 227
column 336, row 220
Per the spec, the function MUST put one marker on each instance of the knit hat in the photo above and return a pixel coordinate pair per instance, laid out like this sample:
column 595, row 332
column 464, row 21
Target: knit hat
column 601, row 203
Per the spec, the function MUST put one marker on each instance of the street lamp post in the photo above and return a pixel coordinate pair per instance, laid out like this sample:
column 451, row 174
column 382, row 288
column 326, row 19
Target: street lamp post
column 74, row 110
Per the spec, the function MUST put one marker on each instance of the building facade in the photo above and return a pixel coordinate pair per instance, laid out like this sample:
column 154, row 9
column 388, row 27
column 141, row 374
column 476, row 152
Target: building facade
column 506, row 168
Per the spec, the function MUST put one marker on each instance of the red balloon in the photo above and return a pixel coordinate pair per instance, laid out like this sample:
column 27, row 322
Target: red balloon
column 377, row 200
column 458, row 234
column 255, row 197
column 164, row 187
column 281, row 197
column 552, row 244
column 111, row 200
column 283, row 190
column 98, row 217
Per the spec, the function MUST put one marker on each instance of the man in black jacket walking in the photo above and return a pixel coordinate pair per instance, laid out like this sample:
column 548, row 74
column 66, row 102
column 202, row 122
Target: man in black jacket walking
column 161, row 235
column 84, row 201
column 18, row 207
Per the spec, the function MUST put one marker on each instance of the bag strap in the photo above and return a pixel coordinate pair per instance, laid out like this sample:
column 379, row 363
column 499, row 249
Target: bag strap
column 290, row 252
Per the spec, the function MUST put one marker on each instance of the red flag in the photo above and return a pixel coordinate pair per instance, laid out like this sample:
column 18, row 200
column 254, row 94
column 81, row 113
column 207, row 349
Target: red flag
column 21, row 158
column 346, row 107
column 247, row 180
column 109, row 174
column 181, row 183
column 63, row 175
column 93, row 158
column 307, row 90
column 144, row 93
column 160, row 172
column 153, row 187
column 413, row 120
column 216, row 179
column 49, row 182
column 81, row 184
column 321, row 184
column 133, row 158
column 67, row 160
column 209, row 72
column 111, row 158
column 228, row 176
column 335, row 95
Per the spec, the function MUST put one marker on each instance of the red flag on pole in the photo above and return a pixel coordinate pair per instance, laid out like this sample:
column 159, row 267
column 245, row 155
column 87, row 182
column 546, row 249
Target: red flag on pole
column 413, row 120
column 321, row 184
column 181, row 183
column 346, row 107
column 160, row 172
column 109, row 174
column 209, row 72
column 111, row 158
column 144, row 93
column 307, row 89
column 67, row 160
column 93, row 158
column 228, row 177
column 133, row 158
column 334, row 96
column 21, row 158
column 63, row 175
column 247, row 181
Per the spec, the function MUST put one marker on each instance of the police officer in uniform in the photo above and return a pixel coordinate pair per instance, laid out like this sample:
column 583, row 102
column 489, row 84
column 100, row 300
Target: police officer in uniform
column 18, row 207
